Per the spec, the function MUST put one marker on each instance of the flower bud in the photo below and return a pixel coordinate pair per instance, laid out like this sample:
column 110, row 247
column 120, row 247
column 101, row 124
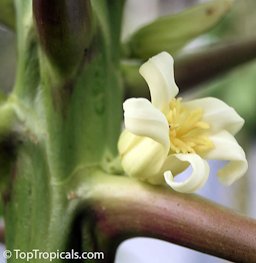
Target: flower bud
column 65, row 31
column 142, row 157
column 171, row 33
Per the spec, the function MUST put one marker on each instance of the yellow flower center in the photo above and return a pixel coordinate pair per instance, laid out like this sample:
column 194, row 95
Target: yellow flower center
column 188, row 132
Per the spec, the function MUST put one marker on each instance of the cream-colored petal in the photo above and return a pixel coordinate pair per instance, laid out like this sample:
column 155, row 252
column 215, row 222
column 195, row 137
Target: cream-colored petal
column 227, row 148
column 218, row 114
column 143, row 119
column 197, row 178
column 159, row 74
column 141, row 157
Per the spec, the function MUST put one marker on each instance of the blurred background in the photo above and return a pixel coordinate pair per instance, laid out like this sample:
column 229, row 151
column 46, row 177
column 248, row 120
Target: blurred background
column 235, row 86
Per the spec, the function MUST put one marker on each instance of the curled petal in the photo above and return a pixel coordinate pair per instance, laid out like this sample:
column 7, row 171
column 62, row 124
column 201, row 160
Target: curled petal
column 143, row 119
column 159, row 75
column 197, row 178
column 142, row 157
column 174, row 164
column 227, row 148
column 218, row 114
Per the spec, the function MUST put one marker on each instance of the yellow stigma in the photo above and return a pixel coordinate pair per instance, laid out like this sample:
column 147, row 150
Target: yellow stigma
column 188, row 133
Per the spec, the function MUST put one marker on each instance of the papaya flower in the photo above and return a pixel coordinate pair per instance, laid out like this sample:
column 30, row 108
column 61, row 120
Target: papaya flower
column 163, row 137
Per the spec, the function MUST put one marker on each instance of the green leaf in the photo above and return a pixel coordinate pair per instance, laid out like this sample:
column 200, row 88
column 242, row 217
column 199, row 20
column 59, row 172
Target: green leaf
column 173, row 32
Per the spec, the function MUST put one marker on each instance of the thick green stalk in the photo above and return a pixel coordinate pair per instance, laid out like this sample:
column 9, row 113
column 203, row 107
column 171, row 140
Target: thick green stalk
column 67, row 100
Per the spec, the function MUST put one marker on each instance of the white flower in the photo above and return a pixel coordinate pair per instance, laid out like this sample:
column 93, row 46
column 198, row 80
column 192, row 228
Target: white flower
column 163, row 137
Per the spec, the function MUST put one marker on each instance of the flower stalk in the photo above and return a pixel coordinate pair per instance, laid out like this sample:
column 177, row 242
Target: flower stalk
column 223, row 56
column 124, row 208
